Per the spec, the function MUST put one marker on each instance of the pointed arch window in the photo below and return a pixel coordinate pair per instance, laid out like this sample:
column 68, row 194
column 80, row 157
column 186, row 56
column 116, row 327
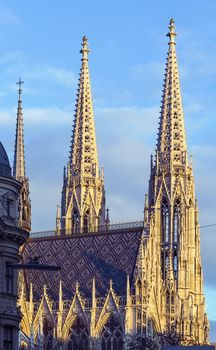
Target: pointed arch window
column 75, row 221
column 23, row 214
column 139, row 288
column 112, row 335
column 175, row 265
column 167, row 298
column 79, row 337
column 86, row 221
column 172, row 302
column 176, row 220
column 164, row 221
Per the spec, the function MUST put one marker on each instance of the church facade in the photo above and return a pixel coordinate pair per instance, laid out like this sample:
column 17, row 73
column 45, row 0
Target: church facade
column 140, row 278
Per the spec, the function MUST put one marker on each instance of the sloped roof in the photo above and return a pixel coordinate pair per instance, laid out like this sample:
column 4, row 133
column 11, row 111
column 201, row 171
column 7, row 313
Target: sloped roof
column 103, row 256
column 5, row 169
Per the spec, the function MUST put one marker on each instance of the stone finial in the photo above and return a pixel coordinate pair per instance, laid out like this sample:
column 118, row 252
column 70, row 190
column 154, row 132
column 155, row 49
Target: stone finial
column 58, row 220
column 172, row 34
column 45, row 290
column 85, row 50
column 128, row 290
column 110, row 284
column 77, row 287
column 60, row 297
column 93, row 293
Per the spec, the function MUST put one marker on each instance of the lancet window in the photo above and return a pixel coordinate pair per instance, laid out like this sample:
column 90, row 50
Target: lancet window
column 175, row 265
column 75, row 221
column 164, row 262
column 79, row 337
column 164, row 221
column 176, row 220
column 86, row 221
column 112, row 335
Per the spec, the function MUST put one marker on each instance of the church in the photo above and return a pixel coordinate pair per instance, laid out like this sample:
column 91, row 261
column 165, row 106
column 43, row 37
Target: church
column 140, row 278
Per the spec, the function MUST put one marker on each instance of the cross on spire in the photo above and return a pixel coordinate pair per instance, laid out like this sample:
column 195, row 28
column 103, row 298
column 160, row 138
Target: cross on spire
column 19, row 166
column 20, row 82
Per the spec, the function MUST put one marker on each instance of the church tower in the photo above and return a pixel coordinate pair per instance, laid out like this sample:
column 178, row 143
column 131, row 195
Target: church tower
column 19, row 168
column 173, row 205
column 83, row 195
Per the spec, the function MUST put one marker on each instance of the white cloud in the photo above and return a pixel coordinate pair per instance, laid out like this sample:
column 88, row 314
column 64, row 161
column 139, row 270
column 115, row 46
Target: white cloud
column 50, row 115
column 126, row 119
column 19, row 61
column 6, row 16
column 12, row 57
column 49, row 73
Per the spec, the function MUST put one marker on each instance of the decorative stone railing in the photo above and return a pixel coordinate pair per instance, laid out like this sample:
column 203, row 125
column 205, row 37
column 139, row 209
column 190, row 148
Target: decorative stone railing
column 88, row 230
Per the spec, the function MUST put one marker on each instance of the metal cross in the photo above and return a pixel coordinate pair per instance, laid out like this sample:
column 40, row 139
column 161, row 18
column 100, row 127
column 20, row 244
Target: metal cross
column 20, row 82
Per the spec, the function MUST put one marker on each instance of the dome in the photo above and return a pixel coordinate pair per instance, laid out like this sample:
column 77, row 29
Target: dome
column 5, row 169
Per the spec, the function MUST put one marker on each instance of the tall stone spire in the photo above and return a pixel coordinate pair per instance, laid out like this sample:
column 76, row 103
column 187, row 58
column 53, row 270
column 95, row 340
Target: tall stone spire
column 19, row 166
column 19, row 153
column 171, row 145
column 83, row 197
column 172, row 200
column 83, row 155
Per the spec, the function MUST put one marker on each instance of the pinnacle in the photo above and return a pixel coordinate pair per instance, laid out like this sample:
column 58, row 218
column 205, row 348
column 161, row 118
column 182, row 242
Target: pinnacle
column 83, row 155
column 85, row 50
column 172, row 33
column 83, row 204
column 171, row 138
column 19, row 156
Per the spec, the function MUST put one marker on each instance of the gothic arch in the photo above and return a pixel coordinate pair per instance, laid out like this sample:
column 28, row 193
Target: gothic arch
column 75, row 221
column 176, row 219
column 79, row 336
column 139, row 287
column 165, row 221
column 24, row 216
column 86, row 221
column 112, row 334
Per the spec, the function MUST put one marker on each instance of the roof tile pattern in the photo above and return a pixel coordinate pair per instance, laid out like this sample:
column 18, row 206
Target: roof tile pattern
column 103, row 256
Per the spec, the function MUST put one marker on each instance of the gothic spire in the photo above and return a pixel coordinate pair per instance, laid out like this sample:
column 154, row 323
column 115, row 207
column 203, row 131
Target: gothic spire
column 83, row 194
column 19, row 166
column 83, row 155
column 19, row 152
column 171, row 145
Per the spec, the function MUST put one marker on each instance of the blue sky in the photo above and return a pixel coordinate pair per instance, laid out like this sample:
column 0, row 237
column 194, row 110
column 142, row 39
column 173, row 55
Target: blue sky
column 40, row 41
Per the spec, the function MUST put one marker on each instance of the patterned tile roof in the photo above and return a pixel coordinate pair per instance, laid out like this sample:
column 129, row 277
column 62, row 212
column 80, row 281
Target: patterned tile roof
column 104, row 256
